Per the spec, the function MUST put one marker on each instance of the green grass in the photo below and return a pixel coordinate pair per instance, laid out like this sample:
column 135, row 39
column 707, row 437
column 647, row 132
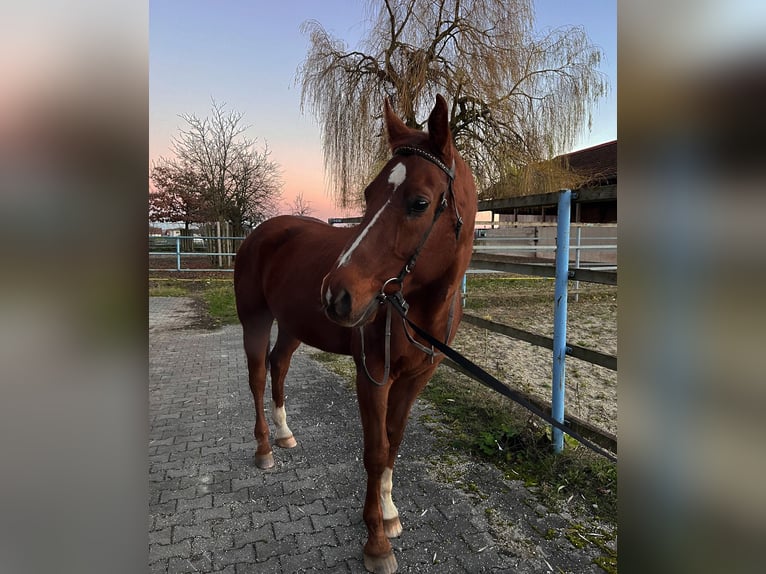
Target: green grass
column 485, row 291
column 167, row 291
column 217, row 295
column 221, row 304
column 501, row 283
column 492, row 428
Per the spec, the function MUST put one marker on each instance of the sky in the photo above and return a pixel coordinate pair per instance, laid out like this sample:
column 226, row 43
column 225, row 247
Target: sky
column 245, row 53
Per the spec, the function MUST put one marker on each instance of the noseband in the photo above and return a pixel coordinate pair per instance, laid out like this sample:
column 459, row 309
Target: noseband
column 397, row 298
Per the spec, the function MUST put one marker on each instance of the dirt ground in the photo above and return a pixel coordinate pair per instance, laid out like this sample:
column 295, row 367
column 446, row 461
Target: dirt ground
column 591, row 390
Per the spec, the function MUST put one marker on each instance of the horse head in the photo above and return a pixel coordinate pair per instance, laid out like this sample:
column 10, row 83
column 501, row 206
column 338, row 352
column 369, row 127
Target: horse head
column 415, row 208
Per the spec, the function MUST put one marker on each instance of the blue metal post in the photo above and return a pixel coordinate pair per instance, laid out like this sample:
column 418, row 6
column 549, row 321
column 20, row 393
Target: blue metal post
column 560, row 313
column 178, row 253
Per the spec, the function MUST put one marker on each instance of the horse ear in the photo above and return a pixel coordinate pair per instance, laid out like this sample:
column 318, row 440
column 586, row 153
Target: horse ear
column 397, row 131
column 438, row 129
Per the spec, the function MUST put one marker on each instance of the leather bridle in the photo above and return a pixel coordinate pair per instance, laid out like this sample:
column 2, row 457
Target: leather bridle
column 397, row 298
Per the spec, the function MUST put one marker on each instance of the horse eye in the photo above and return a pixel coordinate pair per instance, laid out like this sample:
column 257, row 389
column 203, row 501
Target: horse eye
column 419, row 205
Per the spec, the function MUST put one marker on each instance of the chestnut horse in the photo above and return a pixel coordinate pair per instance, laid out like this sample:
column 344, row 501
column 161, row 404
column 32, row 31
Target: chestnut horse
column 327, row 287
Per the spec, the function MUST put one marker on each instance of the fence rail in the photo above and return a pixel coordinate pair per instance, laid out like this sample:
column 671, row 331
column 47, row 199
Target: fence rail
column 583, row 353
column 220, row 249
column 606, row 275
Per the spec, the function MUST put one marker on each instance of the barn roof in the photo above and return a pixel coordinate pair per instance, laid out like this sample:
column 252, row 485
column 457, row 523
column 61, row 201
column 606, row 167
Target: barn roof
column 597, row 163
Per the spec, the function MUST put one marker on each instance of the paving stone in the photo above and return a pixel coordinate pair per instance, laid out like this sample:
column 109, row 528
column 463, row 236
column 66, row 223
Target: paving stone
column 270, row 565
column 300, row 562
column 267, row 549
column 170, row 494
column 208, row 546
column 218, row 513
column 158, row 567
column 316, row 539
column 195, row 503
column 195, row 531
column 322, row 521
column 264, row 533
column 161, row 536
column 162, row 520
column 301, row 526
column 298, row 511
column 160, row 551
column 245, row 554
column 282, row 514
column 335, row 557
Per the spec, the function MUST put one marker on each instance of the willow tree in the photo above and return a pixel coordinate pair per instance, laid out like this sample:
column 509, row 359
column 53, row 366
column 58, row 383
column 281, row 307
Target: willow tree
column 516, row 96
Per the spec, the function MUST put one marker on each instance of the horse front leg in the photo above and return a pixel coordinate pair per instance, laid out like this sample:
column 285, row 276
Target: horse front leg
column 401, row 397
column 378, row 554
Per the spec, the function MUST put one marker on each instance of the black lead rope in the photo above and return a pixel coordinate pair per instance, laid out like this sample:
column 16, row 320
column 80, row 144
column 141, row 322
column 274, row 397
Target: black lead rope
column 489, row 381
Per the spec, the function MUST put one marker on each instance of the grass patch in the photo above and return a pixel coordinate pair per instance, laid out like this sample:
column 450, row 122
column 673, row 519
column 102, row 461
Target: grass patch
column 341, row 365
column 484, row 291
column 216, row 295
column 493, row 429
column 167, row 291
column 221, row 304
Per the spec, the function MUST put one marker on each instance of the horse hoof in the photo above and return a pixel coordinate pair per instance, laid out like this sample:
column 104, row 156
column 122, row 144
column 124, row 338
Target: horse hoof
column 264, row 461
column 287, row 442
column 392, row 527
column 381, row 564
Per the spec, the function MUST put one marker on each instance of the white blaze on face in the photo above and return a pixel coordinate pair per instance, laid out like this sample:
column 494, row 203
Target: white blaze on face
column 396, row 177
column 279, row 416
column 386, row 502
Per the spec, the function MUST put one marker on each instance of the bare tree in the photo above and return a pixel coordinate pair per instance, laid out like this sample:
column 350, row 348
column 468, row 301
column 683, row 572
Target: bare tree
column 301, row 206
column 177, row 194
column 256, row 189
column 515, row 96
column 240, row 184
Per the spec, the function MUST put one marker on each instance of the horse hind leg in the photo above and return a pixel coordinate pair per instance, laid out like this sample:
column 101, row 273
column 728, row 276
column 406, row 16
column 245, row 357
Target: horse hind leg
column 256, row 339
column 279, row 360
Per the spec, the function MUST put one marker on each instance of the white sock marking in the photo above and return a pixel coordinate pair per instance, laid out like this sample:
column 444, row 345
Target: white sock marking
column 279, row 416
column 386, row 502
column 396, row 177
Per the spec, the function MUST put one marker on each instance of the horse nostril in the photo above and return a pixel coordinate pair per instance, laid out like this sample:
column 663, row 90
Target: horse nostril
column 341, row 304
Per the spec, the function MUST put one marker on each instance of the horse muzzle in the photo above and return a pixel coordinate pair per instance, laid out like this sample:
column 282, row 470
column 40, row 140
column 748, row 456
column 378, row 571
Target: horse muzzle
column 346, row 307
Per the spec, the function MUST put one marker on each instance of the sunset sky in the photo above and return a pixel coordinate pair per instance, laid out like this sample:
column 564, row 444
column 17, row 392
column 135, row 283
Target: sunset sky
column 246, row 54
